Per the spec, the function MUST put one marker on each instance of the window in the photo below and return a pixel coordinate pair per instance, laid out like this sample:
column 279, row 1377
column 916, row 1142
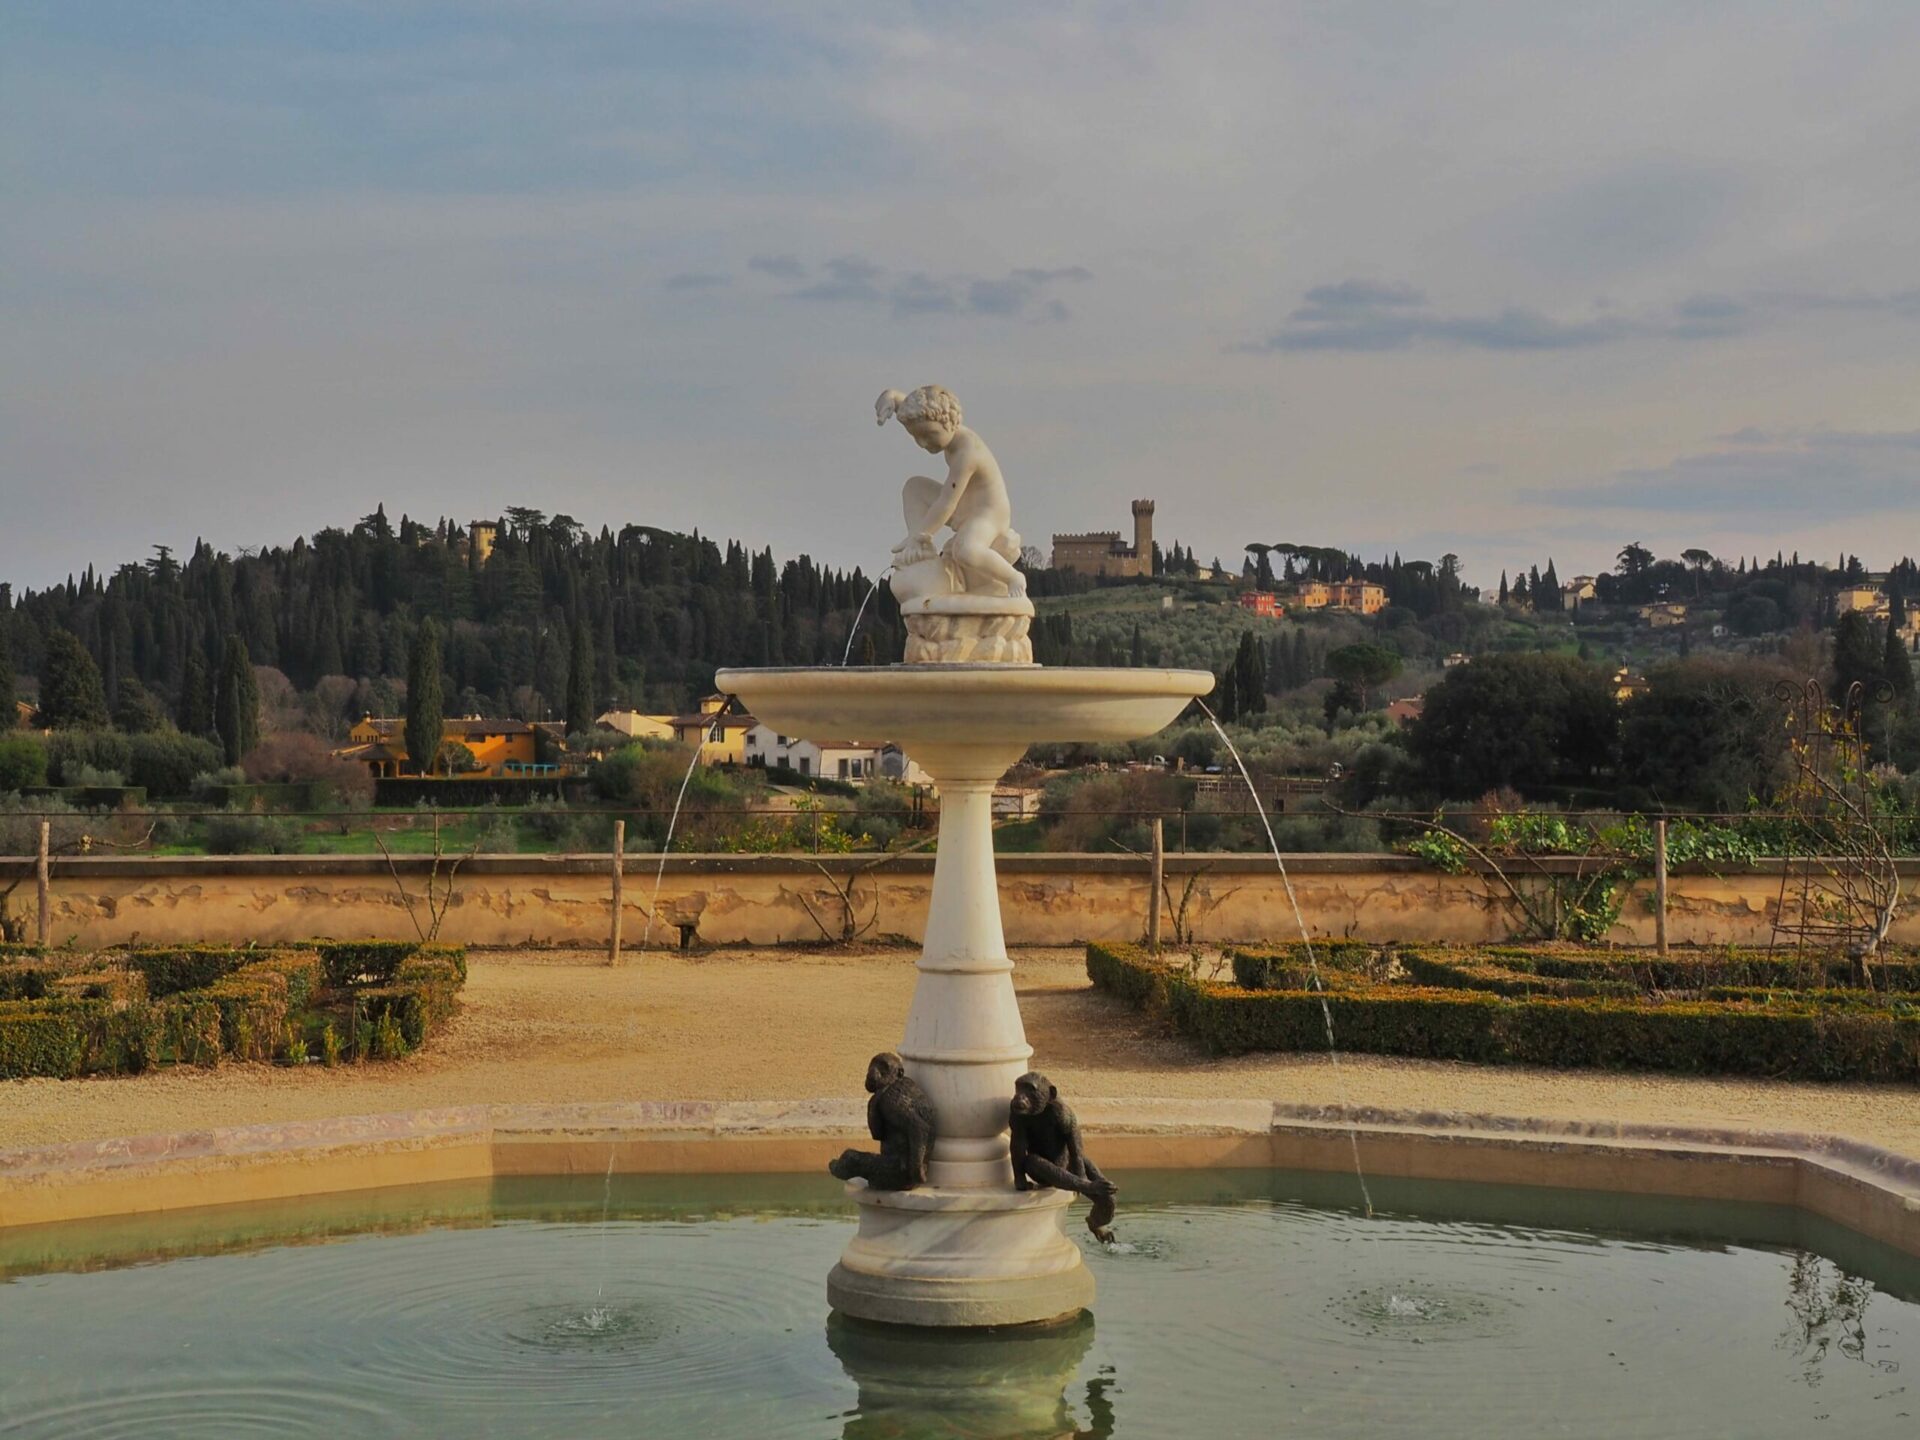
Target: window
column 806, row 764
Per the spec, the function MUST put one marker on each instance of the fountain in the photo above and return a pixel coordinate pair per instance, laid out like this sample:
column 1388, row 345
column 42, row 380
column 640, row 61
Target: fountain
column 968, row 1247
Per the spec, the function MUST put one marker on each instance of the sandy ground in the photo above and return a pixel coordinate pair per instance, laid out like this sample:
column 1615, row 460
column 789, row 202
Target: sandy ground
column 731, row 1025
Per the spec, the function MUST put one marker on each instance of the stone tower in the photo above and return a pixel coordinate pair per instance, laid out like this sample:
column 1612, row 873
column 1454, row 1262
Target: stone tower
column 1143, row 535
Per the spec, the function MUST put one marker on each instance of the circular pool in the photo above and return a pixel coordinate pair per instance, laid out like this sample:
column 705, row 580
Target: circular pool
column 1237, row 1303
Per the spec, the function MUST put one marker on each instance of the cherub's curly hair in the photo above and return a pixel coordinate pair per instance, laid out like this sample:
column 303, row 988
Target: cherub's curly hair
column 929, row 402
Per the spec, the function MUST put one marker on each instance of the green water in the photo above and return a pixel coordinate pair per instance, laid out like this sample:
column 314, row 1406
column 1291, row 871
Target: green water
column 1238, row 1304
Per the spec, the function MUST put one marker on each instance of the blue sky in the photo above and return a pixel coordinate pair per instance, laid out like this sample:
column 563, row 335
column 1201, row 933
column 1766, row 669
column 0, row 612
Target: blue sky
column 1501, row 279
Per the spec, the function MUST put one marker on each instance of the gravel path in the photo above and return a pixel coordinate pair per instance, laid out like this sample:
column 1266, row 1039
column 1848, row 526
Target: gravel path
column 739, row 1024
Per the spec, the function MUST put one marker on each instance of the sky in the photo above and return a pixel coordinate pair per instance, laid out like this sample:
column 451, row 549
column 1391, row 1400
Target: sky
column 1506, row 280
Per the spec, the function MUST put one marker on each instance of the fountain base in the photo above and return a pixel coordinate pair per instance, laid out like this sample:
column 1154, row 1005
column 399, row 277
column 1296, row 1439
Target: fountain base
column 948, row 1256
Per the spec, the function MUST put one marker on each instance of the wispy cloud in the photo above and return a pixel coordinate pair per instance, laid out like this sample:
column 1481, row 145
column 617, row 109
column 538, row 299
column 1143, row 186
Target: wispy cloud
column 1821, row 474
column 1024, row 292
column 1366, row 315
column 781, row 267
column 1363, row 315
column 697, row 280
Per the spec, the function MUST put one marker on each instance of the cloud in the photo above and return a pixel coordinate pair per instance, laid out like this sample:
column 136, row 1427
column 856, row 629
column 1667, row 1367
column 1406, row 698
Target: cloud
column 697, row 280
column 1818, row 474
column 848, row 278
column 781, row 267
column 1366, row 315
column 1021, row 292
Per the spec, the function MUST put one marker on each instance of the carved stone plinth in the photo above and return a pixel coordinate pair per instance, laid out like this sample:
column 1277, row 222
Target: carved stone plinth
column 968, row 630
column 960, row 1256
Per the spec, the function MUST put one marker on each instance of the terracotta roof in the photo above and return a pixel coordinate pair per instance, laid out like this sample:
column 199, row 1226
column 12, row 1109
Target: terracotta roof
column 463, row 726
column 708, row 719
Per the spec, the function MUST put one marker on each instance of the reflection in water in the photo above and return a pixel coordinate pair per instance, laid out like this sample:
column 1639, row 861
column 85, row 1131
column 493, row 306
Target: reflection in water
column 1829, row 1309
column 969, row 1384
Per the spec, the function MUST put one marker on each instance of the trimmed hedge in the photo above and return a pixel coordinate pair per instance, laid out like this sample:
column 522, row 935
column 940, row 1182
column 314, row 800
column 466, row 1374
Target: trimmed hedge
column 354, row 963
column 1684, row 970
column 424, row 993
column 1448, row 972
column 69, row 1014
column 1287, row 967
column 1799, row 1039
column 49, row 1037
column 172, row 969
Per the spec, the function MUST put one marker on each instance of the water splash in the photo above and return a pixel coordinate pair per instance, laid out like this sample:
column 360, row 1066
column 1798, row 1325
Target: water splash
column 1306, row 939
column 666, row 846
column 859, row 614
column 606, row 1216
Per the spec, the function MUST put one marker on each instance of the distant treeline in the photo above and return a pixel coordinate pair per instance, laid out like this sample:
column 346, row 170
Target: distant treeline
column 661, row 610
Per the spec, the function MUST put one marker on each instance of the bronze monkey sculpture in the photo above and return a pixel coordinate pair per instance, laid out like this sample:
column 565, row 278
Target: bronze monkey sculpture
column 1047, row 1150
column 900, row 1117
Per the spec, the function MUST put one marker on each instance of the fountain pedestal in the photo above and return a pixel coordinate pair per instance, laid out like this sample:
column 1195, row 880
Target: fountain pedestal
column 968, row 1248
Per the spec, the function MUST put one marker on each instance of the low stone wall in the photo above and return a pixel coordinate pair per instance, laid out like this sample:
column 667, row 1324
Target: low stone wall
column 783, row 899
column 1871, row 1191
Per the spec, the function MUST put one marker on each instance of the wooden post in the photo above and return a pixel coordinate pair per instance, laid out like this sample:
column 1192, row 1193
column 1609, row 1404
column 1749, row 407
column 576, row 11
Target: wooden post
column 40, row 883
column 1660, row 887
column 619, row 867
column 1153, row 894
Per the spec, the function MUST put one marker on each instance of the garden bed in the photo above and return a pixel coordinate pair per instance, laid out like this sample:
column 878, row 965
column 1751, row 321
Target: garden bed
column 119, row 1012
column 1709, row 1013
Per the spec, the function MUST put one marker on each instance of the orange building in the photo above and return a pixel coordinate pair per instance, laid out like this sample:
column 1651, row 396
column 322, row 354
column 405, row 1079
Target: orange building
column 1261, row 602
column 1363, row 597
column 502, row 748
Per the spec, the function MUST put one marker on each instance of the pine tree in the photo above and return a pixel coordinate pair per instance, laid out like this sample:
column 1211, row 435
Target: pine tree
column 72, row 696
column 236, row 702
column 136, row 711
column 426, row 722
column 580, row 707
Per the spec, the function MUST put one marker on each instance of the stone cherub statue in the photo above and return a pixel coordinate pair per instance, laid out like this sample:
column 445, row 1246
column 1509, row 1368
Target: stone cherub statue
column 979, row 559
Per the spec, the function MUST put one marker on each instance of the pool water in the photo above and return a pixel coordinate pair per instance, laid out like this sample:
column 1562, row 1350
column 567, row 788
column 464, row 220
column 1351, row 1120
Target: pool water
column 1241, row 1303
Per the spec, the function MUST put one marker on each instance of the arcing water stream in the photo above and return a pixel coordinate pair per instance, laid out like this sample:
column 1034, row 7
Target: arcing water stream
column 860, row 614
column 1306, row 939
column 666, row 845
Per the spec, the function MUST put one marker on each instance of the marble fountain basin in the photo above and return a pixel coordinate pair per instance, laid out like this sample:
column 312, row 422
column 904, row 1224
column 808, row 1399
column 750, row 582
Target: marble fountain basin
column 974, row 705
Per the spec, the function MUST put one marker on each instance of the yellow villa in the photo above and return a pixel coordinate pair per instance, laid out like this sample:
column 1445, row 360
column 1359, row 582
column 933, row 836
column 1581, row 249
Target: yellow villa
column 722, row 738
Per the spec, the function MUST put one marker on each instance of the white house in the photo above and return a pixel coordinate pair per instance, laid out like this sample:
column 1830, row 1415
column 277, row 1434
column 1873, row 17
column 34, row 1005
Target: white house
column 854, row 761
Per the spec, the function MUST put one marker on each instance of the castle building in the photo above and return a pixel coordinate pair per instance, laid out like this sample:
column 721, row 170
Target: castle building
column 481, row 535
column 1100, row 552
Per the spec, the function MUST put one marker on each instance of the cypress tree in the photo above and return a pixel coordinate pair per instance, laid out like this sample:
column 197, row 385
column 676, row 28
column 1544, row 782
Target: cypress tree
column 426, row 720
column 195, row 716
column 6, row 675
column 72, row 696
column 1856, row 657
column 1505, row 594
column 580, row 681
column 1894, row 664
column 236, row 702
column 1137, row 654
column 1249, row 676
